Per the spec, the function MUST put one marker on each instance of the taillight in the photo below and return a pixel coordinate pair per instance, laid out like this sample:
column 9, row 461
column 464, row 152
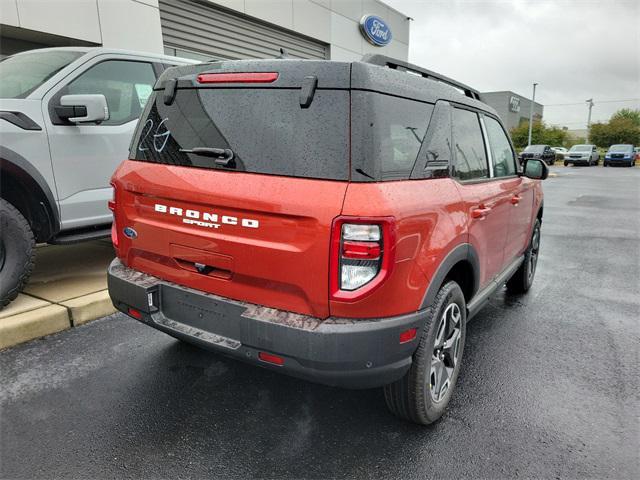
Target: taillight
column 240, row 77
column 112, row 206
column 361, row 255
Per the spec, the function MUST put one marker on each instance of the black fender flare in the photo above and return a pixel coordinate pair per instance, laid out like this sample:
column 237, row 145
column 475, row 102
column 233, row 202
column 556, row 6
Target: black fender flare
column 462, row 252
column 32, row 180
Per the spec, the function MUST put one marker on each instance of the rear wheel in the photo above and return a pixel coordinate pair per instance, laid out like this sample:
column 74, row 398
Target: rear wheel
column 17, row 252
column 522, row 280
column 423, row 394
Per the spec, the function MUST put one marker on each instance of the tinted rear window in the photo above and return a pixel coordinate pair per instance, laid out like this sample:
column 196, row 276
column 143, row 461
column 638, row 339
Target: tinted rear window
column 387, row 132
column 266, row 129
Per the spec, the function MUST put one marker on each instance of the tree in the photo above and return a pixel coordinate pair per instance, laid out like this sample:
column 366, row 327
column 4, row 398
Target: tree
column 540, row 134
column 633, row 115
column 623, row 127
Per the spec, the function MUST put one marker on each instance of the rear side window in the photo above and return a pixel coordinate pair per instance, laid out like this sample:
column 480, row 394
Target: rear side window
column 501, row 154
column 387, row 133
column 470, row 156
column 266, row 129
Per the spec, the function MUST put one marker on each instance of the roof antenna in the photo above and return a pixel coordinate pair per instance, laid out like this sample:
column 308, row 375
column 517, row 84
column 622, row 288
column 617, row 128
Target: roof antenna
column 283, row 53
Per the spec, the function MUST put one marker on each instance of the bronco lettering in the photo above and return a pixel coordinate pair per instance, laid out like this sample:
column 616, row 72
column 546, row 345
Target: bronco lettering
column 210, row 220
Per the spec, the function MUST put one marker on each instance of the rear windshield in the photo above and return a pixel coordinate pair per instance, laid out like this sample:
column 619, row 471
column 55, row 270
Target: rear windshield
column 266, row 129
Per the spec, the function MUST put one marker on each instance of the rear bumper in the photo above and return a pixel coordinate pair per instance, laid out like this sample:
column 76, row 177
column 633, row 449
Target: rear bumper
column 338, row 352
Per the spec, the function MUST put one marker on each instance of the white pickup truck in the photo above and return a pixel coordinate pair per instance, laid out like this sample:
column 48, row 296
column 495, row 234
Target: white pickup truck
column 66, row 119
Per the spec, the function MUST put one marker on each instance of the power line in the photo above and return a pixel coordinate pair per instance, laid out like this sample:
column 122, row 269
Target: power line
column 595, row 101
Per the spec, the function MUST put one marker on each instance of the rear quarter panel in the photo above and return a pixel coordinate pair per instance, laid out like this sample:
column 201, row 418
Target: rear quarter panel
column 430, row 221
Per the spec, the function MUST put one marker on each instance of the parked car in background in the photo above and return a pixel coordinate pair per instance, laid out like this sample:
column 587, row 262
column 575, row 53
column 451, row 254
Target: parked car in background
column 66, row 120
column 341, row 234
column 622, row 154
column 582, row 155
column 560, row 152
column 542, row 152
column 636, row 150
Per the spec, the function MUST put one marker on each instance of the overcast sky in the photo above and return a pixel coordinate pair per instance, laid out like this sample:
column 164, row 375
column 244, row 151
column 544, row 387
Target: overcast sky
column 574, row 50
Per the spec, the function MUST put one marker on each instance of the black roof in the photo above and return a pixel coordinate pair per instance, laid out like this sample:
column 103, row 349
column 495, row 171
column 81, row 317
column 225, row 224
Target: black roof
column 374, row 72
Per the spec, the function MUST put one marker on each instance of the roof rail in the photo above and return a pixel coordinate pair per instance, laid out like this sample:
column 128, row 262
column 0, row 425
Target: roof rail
column 384, row 61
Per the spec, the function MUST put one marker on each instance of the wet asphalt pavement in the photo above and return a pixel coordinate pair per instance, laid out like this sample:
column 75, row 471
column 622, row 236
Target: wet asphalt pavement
column 549, row 385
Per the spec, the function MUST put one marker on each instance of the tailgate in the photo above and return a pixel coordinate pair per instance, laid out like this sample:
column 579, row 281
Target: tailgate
column 262, row 239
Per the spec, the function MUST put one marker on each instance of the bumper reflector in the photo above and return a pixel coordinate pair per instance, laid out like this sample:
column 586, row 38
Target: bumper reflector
column 270, row 358
column 408, row 335
column 134, row 313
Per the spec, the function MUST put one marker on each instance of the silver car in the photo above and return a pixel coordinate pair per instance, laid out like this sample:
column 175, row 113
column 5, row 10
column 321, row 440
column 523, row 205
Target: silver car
column 66, row 119
column 582, row 155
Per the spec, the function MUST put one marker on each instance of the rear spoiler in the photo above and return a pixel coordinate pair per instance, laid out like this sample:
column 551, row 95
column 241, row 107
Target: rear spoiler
column 384, row 61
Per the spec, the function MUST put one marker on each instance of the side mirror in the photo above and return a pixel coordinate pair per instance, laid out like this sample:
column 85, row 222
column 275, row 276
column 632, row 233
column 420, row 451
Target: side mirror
column 535, row 169
column 83, row 108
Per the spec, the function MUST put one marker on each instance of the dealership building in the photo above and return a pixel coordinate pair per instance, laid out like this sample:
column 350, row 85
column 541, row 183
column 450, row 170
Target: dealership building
column 209, row 29
column 512, row 108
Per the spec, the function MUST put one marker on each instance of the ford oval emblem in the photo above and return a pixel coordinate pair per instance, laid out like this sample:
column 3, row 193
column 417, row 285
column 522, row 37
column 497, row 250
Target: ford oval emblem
column 130, row 233
column 375, row 30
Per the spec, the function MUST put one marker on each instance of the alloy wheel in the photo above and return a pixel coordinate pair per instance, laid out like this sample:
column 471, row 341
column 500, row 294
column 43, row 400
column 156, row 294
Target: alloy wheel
column 446, row 350
column 533, row 253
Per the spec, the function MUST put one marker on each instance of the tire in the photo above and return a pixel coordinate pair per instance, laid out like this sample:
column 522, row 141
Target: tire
column 521, row 281
column 605, row 164
column 566, row 164
column 17, row 252
column 413, row 397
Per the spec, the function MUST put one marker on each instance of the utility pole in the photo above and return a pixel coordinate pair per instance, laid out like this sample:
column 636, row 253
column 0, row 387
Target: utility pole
column 590, row 103
column 531, row 113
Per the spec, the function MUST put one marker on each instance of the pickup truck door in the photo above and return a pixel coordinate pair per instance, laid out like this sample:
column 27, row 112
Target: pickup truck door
column 84, row 156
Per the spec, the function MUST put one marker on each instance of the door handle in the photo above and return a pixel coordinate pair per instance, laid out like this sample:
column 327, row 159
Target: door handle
column 480, row 212
column 516, row 199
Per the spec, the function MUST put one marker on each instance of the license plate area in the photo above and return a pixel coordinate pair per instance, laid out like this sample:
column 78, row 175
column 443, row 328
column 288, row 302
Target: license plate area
column 202, row 312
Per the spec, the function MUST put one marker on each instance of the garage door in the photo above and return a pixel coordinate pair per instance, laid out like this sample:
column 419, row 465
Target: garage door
column 202, row 29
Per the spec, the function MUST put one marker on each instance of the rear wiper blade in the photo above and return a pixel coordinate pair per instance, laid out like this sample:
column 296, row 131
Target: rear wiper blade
column 223, row 156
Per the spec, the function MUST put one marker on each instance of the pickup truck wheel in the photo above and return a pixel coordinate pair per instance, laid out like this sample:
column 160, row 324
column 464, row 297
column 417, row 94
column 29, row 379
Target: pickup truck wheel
column 422, row 395
column 17, row 252
column 522, row 280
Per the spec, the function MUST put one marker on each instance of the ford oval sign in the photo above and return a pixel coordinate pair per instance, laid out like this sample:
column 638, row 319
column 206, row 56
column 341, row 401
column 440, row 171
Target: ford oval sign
column 375, row 30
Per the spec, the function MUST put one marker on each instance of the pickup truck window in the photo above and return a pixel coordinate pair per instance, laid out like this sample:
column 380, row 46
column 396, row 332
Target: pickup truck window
column 125, row 84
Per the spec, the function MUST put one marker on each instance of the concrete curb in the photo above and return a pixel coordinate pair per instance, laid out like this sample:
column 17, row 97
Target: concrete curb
column 47, row 318
column 89, row 307
column 33, row 324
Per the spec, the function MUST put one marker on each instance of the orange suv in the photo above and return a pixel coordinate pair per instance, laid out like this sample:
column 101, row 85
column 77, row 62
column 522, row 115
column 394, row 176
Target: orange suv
column 339, row 222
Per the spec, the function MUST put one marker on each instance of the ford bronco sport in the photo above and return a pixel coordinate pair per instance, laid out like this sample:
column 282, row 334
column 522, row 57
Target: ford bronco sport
column 339, row 222
column 66, row 119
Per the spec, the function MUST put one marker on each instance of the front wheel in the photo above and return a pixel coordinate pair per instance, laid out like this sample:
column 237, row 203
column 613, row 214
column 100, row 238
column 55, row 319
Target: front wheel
column 522, row 280
column 566, row 164
column 422, row 395
column 17, row 252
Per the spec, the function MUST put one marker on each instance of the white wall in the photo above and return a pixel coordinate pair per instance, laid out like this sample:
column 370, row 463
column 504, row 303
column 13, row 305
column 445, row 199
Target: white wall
column 130, row 24
column 135, row 24
column 336, row 22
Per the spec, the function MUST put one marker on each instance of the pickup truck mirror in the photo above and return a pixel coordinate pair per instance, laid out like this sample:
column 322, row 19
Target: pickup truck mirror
column 83, row 108
column 535, row 169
